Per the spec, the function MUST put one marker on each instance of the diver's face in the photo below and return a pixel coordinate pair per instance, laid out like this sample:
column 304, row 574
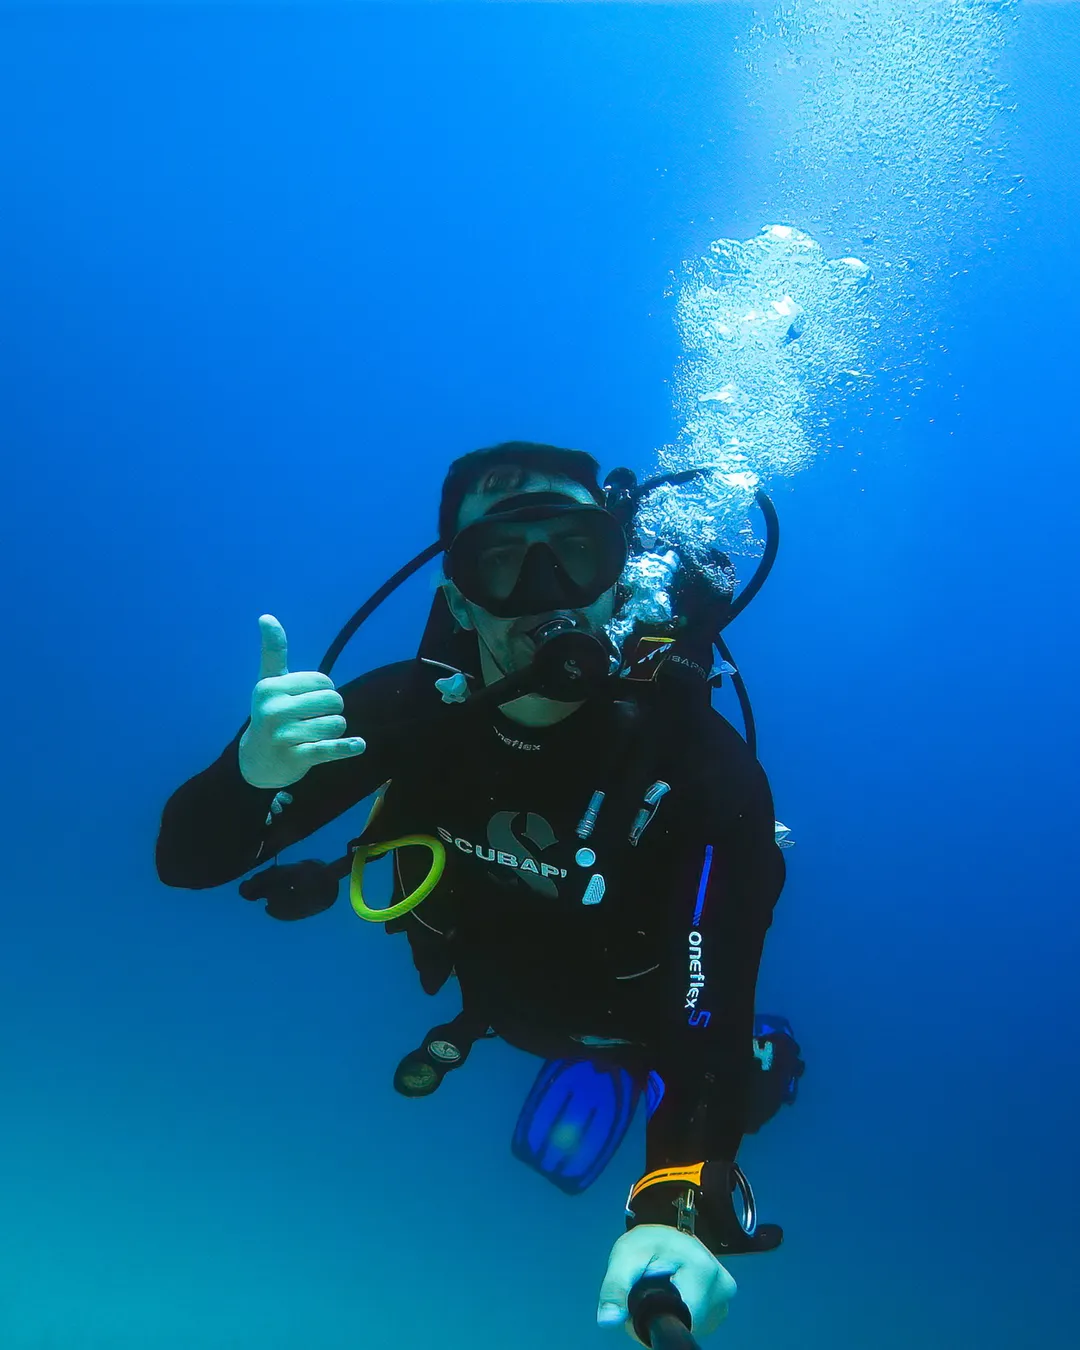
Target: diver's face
column 505, row 644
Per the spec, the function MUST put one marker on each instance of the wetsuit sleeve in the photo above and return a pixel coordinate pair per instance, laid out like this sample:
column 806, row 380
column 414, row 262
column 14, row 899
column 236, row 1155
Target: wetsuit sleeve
column 217, row 826
column 727, row 880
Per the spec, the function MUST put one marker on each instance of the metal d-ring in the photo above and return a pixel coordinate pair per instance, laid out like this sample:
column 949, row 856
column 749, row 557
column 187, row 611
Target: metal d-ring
column 748, row 1222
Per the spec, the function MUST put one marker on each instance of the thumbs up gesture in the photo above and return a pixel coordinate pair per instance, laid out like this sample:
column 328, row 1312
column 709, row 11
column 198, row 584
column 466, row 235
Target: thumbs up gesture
column 296, row 718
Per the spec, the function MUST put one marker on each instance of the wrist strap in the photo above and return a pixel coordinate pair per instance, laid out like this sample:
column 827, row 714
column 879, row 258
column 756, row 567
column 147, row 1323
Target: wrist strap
column 681, row 1176
column 719, row 1209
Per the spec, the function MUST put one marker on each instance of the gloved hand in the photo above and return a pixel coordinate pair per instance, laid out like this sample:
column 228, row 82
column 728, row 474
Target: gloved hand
column 296, row 719
column 703, row 1284
column 296, row 890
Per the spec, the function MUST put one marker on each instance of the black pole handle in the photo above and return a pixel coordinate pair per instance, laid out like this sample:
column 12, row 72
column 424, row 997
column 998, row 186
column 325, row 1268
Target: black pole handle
column 660, row 1317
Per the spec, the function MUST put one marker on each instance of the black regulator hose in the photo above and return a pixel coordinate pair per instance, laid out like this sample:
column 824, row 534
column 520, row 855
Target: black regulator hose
column 739, row 685
column 764, row 567
column 372, row 603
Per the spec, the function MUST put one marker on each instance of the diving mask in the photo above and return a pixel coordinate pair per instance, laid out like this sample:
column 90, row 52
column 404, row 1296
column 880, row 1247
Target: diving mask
column 537, row 552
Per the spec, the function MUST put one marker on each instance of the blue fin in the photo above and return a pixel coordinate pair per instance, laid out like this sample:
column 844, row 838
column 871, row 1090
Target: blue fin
column 654, row 1093
column 574, row 1120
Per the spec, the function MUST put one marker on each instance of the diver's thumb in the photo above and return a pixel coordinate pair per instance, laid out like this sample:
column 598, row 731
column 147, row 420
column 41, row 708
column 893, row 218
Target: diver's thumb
column 274, row 656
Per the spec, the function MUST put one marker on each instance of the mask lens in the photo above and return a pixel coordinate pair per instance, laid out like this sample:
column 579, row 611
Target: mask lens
column 498, row 562
column 580, row 552
column 574, row 542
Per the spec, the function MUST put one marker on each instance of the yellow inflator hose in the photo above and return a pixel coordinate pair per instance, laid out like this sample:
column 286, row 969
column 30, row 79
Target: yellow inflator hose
column 365, row 851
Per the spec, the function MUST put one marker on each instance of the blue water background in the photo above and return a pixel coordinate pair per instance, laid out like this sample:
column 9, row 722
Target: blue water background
column 263, row 271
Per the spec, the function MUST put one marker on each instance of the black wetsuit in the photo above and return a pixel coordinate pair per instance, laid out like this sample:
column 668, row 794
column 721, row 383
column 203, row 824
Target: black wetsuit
column 666, row 958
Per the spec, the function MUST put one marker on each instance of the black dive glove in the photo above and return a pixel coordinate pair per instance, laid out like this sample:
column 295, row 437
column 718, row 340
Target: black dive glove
column 295, row 890
column 711, row 1201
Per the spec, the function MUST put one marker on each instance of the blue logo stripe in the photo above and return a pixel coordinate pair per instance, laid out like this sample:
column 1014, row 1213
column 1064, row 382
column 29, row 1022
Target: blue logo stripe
column 703, row 885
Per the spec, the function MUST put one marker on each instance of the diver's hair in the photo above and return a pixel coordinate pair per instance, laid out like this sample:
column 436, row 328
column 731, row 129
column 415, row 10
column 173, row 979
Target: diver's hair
column 502, row 468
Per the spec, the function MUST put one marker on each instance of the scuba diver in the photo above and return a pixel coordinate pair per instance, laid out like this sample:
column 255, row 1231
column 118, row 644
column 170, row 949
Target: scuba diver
column 577, row 837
